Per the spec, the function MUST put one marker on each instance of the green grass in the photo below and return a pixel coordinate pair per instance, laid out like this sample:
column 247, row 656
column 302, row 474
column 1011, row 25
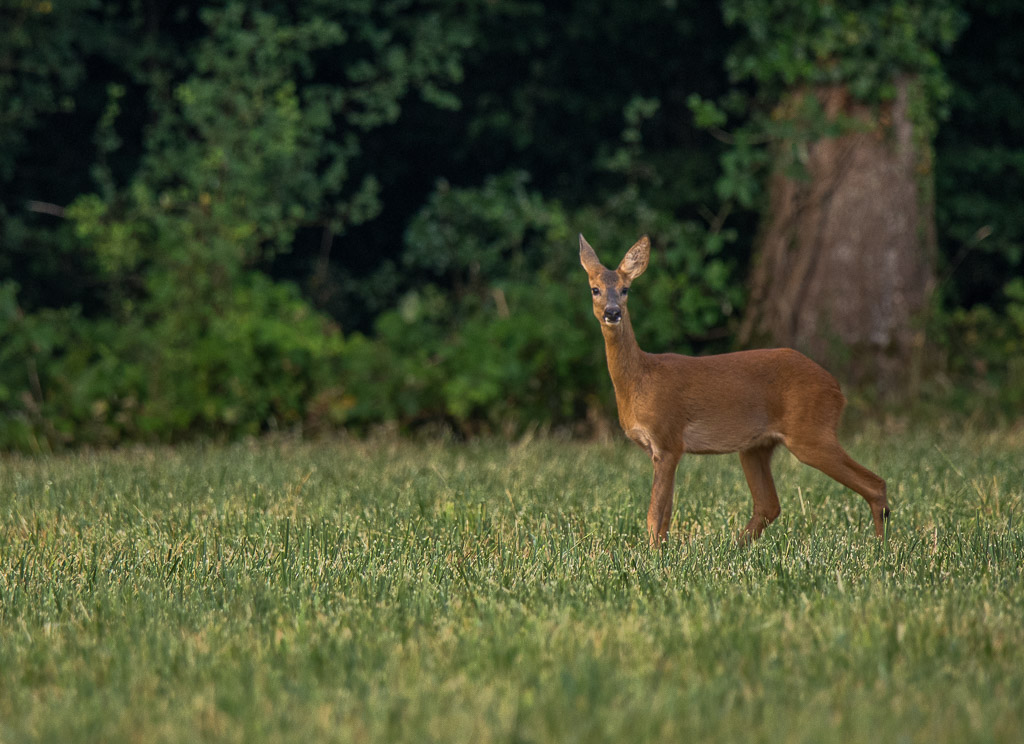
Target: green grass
column 393, row 591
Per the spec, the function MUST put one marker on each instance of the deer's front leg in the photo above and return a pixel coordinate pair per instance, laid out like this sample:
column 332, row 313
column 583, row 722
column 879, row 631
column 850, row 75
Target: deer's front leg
column 659, row 514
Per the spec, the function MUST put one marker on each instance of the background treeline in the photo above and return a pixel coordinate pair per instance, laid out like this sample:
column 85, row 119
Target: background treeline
column 228, row 218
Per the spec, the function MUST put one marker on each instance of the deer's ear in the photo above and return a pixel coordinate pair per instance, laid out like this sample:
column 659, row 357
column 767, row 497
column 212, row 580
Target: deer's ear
column 588, row 258
column 635, row 260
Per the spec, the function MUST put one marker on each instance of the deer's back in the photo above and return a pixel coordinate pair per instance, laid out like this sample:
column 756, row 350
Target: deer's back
column 728, row 402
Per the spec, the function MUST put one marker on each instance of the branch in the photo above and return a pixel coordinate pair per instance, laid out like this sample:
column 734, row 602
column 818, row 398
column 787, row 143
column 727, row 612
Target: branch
column 45, row 208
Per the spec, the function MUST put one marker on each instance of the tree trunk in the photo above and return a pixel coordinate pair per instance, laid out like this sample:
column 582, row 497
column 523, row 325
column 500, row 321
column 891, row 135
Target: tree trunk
column 844, row 265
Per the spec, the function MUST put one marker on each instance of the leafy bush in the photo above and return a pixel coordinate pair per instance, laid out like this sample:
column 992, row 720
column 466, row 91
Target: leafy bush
column 525, row 356
column 252, row 365
column 59, row 376
column 985, row 351
column 260, row 362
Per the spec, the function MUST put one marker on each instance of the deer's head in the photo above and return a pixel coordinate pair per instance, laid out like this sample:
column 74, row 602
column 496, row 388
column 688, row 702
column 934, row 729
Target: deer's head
column 609, row 288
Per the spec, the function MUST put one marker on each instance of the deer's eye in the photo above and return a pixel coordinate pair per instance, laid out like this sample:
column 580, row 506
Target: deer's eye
column 625, row 291
column 595, row 291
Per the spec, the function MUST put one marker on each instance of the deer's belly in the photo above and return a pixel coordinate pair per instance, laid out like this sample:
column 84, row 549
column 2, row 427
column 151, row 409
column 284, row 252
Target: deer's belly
column 710, row 439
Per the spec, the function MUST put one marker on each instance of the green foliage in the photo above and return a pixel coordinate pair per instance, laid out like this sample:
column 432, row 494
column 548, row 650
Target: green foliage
column 464, row 236
column 239, row 159
column 793, row 47
column 393, row 591
column 861, row 44
column 40, row 63
column 252, row 364
column 985, row 352
column 198, row 340
column 494, row 332
column 244, row 150
column 257, row 363
column 421, row 170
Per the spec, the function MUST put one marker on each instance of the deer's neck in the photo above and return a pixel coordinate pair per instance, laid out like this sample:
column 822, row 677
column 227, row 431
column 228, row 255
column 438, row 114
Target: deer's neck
column 625, row 360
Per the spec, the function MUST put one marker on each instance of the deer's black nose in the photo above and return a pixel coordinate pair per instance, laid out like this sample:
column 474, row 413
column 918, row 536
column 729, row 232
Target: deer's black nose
column 612, row 314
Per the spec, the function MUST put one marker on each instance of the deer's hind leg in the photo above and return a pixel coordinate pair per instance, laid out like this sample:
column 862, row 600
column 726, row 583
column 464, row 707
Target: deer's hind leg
column 758, row 470
column 830, row 458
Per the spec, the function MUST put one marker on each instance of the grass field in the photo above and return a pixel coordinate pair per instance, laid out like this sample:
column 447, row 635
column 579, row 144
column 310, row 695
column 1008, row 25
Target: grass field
column 393, row 591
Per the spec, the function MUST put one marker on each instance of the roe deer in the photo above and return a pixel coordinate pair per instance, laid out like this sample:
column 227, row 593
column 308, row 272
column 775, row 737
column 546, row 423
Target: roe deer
column 746, row 402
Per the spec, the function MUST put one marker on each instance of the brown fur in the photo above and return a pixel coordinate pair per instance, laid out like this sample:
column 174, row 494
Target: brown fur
column 746, row 402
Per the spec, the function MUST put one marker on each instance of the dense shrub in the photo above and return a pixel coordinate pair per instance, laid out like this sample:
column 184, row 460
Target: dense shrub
column 984, row 353
column 255, row 364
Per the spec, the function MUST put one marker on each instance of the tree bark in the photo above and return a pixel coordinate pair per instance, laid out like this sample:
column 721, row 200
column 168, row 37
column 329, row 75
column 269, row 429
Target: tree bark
column 844, row 265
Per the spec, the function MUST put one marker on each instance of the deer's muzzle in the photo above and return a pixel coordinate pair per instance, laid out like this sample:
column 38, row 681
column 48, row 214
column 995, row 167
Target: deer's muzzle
column 612, row 314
